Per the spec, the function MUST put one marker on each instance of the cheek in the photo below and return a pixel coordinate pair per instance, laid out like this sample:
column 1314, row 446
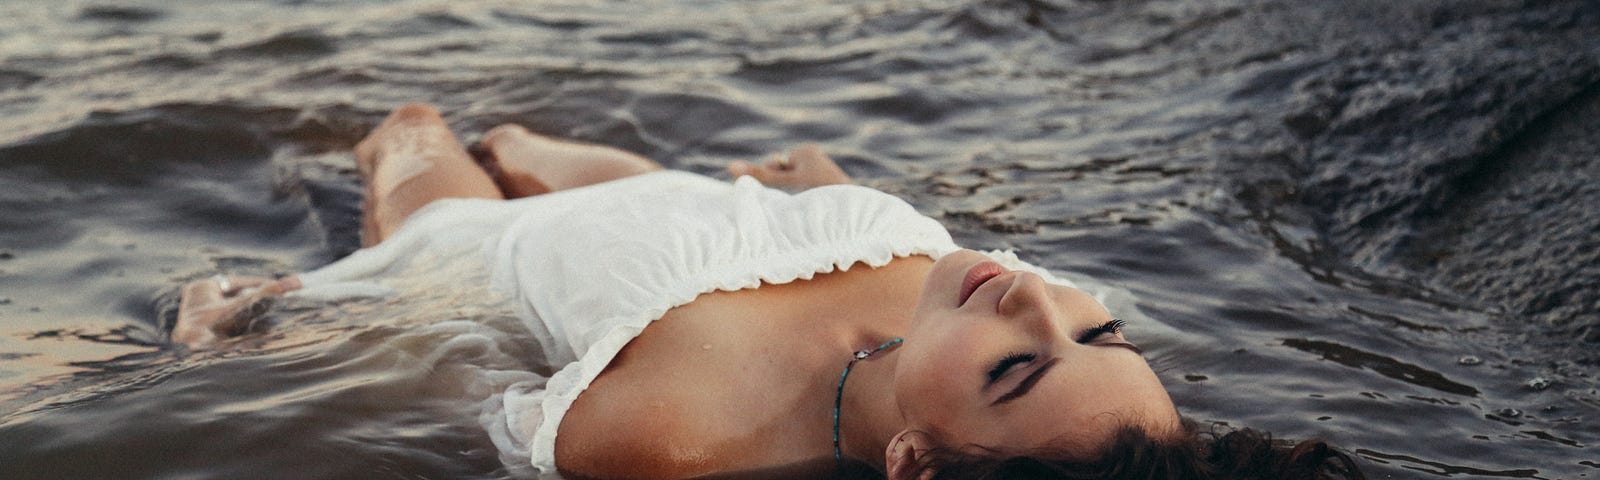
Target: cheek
column 931, row 374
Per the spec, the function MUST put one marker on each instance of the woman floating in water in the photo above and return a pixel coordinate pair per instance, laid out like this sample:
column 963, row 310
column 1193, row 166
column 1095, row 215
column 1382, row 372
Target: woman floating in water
column 705, row 328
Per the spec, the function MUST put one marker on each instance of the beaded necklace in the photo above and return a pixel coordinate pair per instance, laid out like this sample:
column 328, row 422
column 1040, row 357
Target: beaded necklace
column 838, row 398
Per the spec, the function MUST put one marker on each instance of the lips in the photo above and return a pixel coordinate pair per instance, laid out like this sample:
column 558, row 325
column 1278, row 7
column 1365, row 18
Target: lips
column 976, row 276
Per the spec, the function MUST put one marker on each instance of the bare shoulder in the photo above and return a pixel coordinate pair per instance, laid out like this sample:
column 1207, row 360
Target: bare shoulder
column 665, row 408
column 635, row 440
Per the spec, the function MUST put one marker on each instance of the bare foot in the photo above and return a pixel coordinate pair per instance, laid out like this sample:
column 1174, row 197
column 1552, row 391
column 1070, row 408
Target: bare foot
column 222, row 307
column 804, row 167
column 524, row 164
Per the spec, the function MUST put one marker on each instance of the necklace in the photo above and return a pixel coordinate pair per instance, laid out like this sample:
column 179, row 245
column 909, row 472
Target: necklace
column 838, row 398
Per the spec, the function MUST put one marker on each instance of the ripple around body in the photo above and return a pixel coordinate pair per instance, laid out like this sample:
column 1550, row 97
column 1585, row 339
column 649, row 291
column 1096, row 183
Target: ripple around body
column 1369, row 222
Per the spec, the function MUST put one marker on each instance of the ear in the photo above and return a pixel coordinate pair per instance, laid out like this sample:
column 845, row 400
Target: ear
column 900, row 460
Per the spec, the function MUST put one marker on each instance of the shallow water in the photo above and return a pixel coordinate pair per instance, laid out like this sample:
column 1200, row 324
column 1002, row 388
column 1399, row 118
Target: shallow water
column 1374, row 222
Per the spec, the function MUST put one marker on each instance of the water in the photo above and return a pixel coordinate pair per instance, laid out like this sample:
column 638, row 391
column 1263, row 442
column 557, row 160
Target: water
column 1373, row 221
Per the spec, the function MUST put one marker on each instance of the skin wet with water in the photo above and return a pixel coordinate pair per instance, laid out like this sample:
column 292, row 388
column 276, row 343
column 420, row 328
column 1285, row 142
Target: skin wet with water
column 1299, row 200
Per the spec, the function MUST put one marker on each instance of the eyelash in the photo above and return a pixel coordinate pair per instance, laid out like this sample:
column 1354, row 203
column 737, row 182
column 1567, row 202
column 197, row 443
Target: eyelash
column 1112, row 327
column 1011, row 360
column 1006, row 363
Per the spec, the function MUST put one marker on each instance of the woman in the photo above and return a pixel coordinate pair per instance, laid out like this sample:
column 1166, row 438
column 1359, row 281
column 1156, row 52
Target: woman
column 705, row 328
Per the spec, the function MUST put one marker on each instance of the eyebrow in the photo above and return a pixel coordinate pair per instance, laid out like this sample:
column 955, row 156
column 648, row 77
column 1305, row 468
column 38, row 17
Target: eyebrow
column 1033, row 378
column 1027, row 383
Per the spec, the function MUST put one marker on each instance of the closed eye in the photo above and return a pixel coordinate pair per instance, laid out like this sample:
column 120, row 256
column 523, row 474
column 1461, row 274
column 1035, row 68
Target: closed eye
column 1112, row 327
column 1027, row 383
column 1109, row 328
column 1005, row 364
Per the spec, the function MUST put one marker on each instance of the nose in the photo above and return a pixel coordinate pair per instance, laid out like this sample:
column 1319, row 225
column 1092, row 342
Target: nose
column 1028, row 297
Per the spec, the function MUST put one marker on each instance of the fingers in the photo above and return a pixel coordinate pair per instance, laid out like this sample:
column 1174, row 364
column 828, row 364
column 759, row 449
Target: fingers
column 216, row 289
column 741, row 168
column 811, row 162
column 290, row 283
column 776, row 170
column 280, row 286
column 224, row 306
column 230, row 286
column 804, row 167
column 219, row 288
column 804, row 158
column 809, row 157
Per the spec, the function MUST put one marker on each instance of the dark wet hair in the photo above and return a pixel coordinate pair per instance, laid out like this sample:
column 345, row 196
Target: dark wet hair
column 1133, row 454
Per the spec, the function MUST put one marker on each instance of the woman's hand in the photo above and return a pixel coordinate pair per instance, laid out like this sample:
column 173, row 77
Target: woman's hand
column 803, row 168
column 220, row 307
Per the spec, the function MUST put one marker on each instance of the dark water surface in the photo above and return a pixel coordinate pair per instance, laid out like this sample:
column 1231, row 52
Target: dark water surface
column 1374, row 222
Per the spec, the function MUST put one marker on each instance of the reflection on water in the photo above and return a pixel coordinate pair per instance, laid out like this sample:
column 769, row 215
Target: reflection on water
column 1366, row 221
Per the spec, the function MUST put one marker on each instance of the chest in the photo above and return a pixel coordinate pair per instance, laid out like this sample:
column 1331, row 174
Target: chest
column 734, row 381
column 679, row 402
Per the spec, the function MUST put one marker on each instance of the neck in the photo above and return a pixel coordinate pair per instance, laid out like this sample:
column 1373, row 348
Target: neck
column 869, row 414
column 866, row 308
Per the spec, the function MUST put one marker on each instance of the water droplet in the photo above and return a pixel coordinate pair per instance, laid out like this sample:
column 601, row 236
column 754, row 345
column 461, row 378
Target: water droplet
column 1469, row 360
column 1537, row 383
column 1508, row 413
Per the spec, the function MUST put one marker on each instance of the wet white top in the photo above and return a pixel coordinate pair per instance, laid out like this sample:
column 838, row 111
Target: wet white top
column 588, row 269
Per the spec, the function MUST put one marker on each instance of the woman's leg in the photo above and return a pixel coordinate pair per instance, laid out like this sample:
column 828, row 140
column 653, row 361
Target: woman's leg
column 408, row 161
column 525, row 164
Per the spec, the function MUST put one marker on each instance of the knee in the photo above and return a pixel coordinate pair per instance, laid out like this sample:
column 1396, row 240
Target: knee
column 416, row 109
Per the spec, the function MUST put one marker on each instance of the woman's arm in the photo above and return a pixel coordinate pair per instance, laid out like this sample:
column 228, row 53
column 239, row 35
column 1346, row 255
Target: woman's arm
column 803, row 168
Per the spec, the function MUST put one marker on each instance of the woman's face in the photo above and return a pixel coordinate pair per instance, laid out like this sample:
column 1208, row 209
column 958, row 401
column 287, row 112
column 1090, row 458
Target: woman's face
column 1001, row 360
